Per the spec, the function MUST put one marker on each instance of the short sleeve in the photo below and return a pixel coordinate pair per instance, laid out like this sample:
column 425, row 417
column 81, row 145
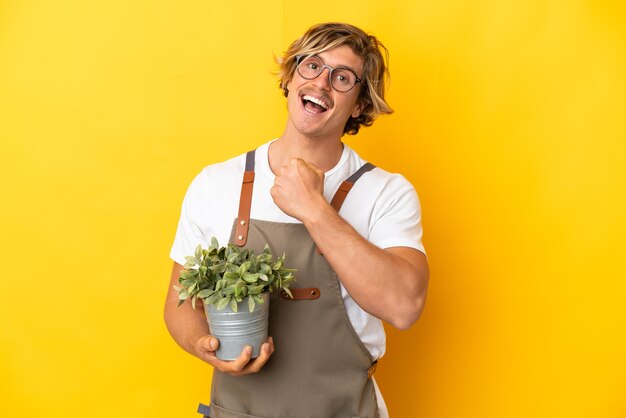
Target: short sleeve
column 398, row 216
column 189, row 232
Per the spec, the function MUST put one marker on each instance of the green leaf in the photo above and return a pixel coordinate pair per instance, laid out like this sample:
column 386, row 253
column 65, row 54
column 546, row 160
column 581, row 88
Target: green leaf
column 181, row 301
column 250, row 278
column 286, row 289
column 255, row 290
column 222, row 303
column 258, row 299
column 193, row 301
column 233, row 257
column 233, row 305
column 183, row 294
column 187, row 282
column 214, row 243
column 198, row 252
column 250, row 304
column 254, row 266
column 243, row 269
column 191, row 260
column 212, row 300
column 245, row 253
column 187, row 274
column 205, row 293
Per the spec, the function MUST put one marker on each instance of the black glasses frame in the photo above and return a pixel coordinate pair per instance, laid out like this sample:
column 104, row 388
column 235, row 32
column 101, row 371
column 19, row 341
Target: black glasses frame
column 330, row 72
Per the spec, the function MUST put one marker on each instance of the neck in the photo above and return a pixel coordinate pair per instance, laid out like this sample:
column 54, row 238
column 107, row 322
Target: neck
column 325, row 153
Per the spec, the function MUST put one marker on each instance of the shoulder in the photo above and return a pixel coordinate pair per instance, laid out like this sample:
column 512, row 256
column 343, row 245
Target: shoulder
column 378, row 181
column 392, row 181
column 392, row 186
column 213, row 190
column 218, row 178
column 380, row 194
column 223, row 170
column 384, row 207
column 390, row 195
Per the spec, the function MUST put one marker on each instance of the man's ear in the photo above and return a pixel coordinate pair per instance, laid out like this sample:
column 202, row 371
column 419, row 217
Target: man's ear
column 358, row 108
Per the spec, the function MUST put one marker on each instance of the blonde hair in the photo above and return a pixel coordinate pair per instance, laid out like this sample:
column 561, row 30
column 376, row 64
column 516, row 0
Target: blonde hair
column 325, row 36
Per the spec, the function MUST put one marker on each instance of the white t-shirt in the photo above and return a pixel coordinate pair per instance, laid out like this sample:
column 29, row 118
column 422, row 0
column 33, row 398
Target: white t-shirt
column 383, row 207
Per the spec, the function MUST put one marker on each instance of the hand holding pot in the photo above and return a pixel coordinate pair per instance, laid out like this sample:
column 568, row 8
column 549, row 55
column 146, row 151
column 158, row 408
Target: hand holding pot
column 205, row 350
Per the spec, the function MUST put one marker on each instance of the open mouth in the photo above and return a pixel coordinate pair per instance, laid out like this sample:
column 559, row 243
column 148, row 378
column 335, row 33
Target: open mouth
column 313, row 104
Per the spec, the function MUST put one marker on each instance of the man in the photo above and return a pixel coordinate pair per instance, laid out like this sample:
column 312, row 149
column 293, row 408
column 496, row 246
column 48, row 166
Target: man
column 360, row 259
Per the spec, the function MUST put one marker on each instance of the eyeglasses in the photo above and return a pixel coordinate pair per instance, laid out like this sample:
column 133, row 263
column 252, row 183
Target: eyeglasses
column 341, row 79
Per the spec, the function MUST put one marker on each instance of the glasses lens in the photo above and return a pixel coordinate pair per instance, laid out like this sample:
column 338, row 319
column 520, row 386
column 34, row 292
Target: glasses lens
column 343, row 79
column 310, row 67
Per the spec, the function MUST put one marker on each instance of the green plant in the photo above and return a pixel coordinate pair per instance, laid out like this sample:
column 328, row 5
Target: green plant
column 226, row 275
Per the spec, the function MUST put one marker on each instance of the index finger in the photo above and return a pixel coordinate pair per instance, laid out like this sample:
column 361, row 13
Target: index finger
column 266, row 351
column 230, row 366
column 240, row 362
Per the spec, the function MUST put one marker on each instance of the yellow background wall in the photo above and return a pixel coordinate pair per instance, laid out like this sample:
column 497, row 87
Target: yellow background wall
column 509, row 121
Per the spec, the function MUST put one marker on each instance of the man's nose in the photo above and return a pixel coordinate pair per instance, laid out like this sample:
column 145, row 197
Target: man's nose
column 323, row 80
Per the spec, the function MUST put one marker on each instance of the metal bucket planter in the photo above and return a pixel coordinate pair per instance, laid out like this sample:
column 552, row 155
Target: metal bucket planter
column 235, row 330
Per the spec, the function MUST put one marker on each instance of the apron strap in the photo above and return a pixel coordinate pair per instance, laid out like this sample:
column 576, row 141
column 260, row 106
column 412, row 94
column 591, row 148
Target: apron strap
column 245, row 201
column 204, row 410
column 372, row 369
column 346, row 186
column 303, row 293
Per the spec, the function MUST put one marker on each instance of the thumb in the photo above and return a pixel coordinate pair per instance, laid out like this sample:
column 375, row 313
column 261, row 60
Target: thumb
column 208, row 343
column 213, row 343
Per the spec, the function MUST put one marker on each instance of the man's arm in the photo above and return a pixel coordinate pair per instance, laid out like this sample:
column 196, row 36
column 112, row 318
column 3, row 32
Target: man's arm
column 190, row 330
column 390, row 284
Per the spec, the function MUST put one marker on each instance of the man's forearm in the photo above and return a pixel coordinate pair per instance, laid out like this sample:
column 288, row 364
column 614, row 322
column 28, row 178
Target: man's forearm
column 389, row 284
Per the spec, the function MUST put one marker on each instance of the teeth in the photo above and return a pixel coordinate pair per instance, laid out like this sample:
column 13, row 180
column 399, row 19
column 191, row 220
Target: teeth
column 316, row 101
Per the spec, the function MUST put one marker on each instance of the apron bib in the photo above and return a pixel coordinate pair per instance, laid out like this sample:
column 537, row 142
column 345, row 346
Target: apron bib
column 320, row 367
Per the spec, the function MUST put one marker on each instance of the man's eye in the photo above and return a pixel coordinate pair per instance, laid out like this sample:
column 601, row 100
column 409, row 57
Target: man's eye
column 313, row 66
column 342, row 78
